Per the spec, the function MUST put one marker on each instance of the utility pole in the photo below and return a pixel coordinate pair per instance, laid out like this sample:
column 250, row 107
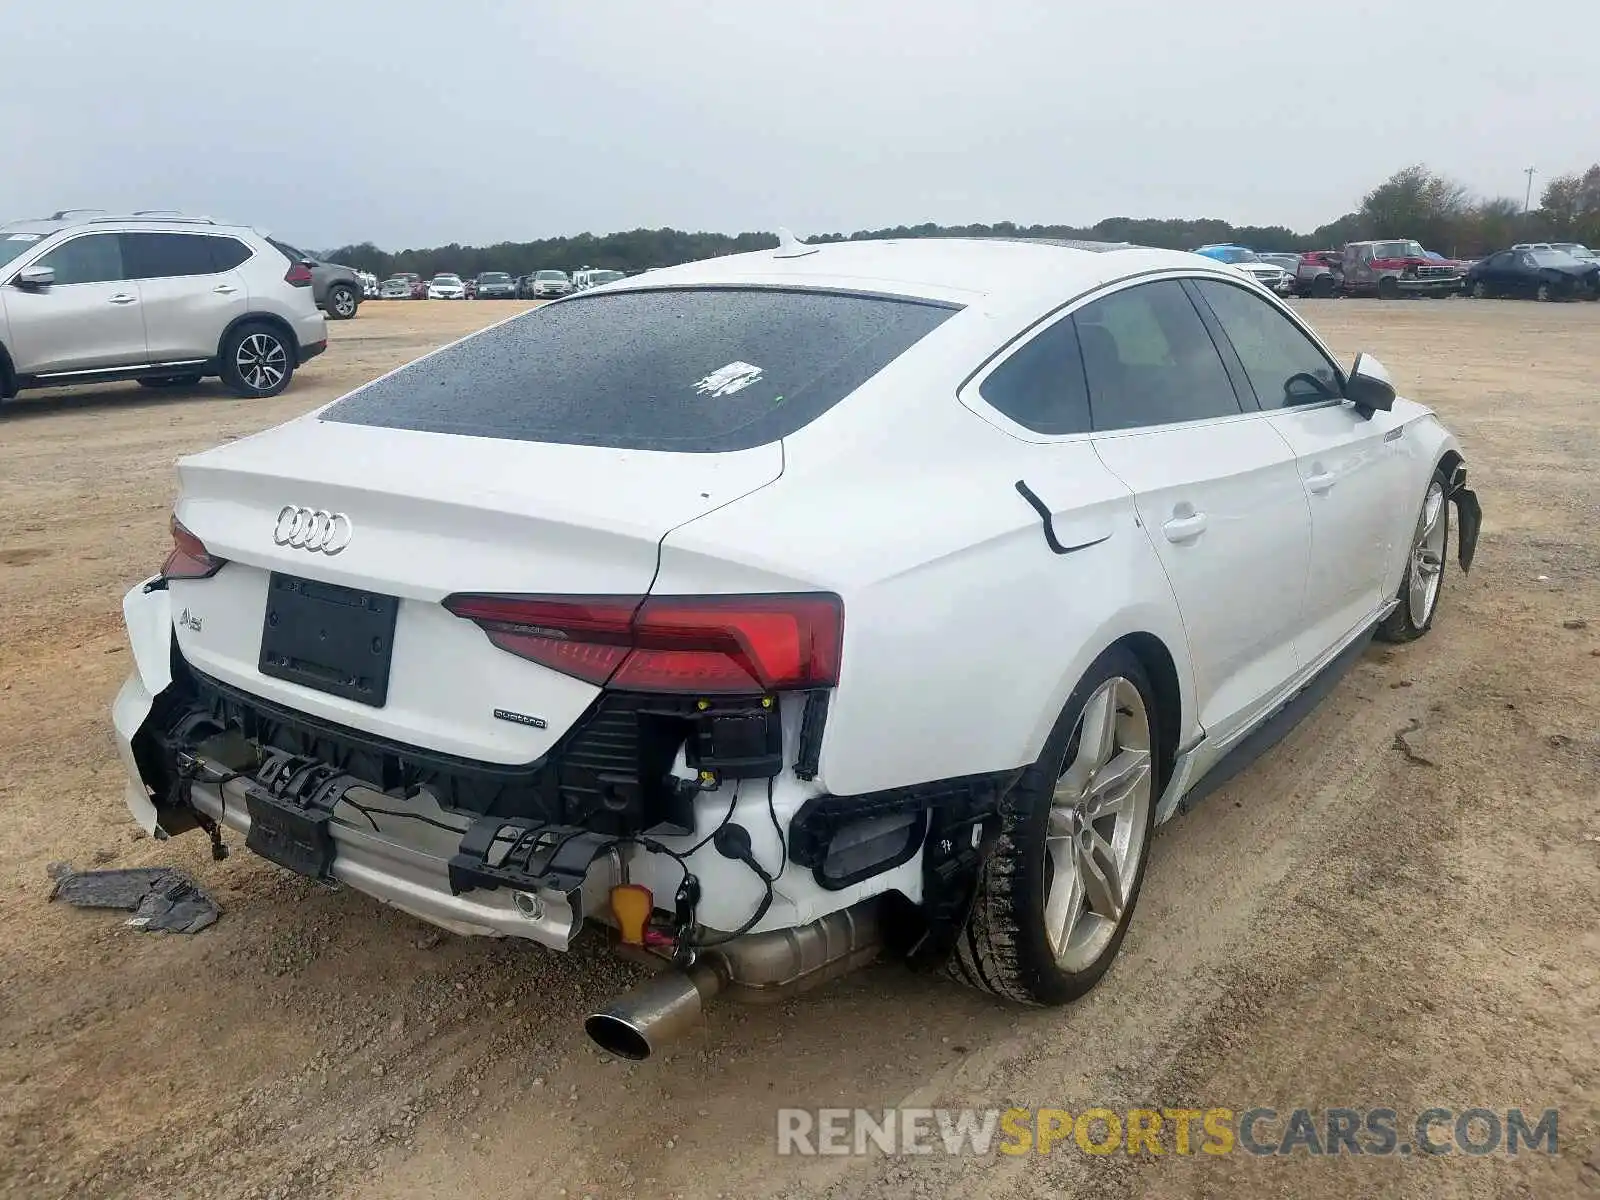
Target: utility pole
column 1527, row 199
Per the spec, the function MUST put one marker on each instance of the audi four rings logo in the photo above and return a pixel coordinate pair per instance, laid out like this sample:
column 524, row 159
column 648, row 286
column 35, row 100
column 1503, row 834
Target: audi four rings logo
column 312, row 529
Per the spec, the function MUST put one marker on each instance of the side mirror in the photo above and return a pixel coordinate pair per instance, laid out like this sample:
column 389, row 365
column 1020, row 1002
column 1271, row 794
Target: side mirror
column 1368, row 387
column 36, row 277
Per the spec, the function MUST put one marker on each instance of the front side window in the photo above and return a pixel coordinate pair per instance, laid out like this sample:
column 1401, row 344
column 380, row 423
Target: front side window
column 169, row 255
column 1041, row 387
column 1149, row 360
column 1284, row 366
column 15, row 245
column 94, row 258
column 698, row 370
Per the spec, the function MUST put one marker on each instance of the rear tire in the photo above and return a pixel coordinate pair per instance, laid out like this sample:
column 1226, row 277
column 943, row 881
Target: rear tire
column 170, row 381
column 342, row 302
column 1322, row 287
column 1544, row 294
column 1056, row 895
column 1423, row 582
column 257, row 360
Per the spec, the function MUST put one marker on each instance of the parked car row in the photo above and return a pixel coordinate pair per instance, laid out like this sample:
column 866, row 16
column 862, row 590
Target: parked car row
column 1394, row 268
column 548, row 284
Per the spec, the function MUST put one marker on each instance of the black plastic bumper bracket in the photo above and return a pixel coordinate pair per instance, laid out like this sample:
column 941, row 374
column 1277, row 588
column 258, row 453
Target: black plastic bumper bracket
column 538, row 855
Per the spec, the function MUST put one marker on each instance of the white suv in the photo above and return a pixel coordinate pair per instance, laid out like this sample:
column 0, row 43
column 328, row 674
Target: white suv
column 160, row 299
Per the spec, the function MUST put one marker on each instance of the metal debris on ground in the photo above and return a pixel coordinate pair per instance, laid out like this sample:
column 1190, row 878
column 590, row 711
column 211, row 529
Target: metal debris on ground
column 162, row 900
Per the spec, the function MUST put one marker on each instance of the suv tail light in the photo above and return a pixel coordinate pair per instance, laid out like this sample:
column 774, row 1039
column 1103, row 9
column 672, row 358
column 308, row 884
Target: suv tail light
column 298, row 274
column 189, row 558
column 690, row 644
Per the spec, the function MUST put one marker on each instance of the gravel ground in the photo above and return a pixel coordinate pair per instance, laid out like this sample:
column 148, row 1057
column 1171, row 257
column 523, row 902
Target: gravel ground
column 1360, row 919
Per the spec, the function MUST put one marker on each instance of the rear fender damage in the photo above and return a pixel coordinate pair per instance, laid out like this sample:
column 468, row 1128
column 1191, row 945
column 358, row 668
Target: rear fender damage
column 147, row 613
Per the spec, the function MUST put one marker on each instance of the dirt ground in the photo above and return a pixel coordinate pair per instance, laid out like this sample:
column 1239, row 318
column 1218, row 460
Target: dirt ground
column 1354, row 921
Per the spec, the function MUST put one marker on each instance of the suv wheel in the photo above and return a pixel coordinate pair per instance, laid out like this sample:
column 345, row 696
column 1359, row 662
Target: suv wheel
column 1388, row 287
column 257, row 360
column 170, row 381
column 1322, row 286
column 342, row 302
column 1057, row 893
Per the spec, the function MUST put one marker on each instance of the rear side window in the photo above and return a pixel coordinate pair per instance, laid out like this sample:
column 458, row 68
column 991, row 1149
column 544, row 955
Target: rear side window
column 170, row 255
column 1041, row 386
column 1150, row 361
column 228, row 253
column 696, row 370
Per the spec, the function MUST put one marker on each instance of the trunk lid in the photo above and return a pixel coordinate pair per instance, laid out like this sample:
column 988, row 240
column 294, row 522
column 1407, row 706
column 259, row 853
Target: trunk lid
column 430, row 514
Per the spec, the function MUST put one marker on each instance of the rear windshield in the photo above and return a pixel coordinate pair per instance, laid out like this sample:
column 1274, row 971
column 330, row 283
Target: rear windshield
column 700, row 370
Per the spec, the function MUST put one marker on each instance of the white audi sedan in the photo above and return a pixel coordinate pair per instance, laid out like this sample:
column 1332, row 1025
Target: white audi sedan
column 764, row 613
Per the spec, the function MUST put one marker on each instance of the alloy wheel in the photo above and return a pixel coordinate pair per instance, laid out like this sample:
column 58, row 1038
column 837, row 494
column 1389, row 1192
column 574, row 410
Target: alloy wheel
column 344, row 303
column 1095, row 835
column 262, row 361
column 1427, row 557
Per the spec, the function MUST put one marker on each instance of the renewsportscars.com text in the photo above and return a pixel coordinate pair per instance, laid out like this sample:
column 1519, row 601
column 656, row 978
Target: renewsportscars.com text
column 1261, row 1131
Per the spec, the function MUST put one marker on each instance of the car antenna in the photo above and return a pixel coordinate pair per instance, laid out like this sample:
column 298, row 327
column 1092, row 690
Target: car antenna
column 790, row 246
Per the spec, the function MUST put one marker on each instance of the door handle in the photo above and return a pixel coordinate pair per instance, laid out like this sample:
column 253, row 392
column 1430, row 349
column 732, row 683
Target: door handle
column 1185, row 529
column 224, row 289
column 1321, row 482
column 124, row 298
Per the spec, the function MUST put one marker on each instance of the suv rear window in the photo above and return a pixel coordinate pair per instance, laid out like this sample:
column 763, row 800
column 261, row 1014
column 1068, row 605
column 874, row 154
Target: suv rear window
column 698, row 370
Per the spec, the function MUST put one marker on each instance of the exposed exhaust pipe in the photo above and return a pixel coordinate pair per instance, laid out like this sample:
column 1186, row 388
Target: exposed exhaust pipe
column 762, row 968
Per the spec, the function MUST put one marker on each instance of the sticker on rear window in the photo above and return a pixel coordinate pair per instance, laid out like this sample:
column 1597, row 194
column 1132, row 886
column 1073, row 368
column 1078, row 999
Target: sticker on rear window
column 24, row 237
column 725, row 381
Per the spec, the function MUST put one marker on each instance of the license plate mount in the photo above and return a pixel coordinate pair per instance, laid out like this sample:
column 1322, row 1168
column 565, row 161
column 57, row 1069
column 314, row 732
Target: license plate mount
column 331, row 638
column 293, row 837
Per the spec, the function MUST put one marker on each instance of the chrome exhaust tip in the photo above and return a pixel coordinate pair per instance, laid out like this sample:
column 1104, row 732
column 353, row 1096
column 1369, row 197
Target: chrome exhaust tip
column 761, row 969
column 658, row 1011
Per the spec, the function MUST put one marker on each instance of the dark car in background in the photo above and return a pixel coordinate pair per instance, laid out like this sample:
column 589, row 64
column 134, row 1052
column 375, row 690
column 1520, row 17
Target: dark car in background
column 492, row 285
column 337, row 289
column 1535, row 275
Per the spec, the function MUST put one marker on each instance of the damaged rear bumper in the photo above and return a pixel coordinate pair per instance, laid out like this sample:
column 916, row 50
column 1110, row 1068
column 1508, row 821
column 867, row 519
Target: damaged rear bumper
column 413, row 876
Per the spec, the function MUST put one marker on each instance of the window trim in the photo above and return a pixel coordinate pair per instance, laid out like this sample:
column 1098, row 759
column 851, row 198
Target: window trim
column 1283, row 309
column 967, row 391
column 77, row 235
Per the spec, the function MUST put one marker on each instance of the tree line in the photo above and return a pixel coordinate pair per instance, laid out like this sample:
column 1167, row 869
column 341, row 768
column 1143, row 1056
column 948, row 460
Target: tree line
column 1415, row 202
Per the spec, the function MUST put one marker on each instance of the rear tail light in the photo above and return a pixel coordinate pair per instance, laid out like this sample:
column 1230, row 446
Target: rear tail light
column 189, row 558
column 686, row 644
column 298, row 274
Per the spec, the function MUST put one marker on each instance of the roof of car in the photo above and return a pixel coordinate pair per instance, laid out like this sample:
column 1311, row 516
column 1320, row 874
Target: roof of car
column 73, row 217
column 952, row 269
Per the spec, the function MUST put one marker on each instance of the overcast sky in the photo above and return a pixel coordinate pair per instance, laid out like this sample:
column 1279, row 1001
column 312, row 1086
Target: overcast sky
column 420, row 122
